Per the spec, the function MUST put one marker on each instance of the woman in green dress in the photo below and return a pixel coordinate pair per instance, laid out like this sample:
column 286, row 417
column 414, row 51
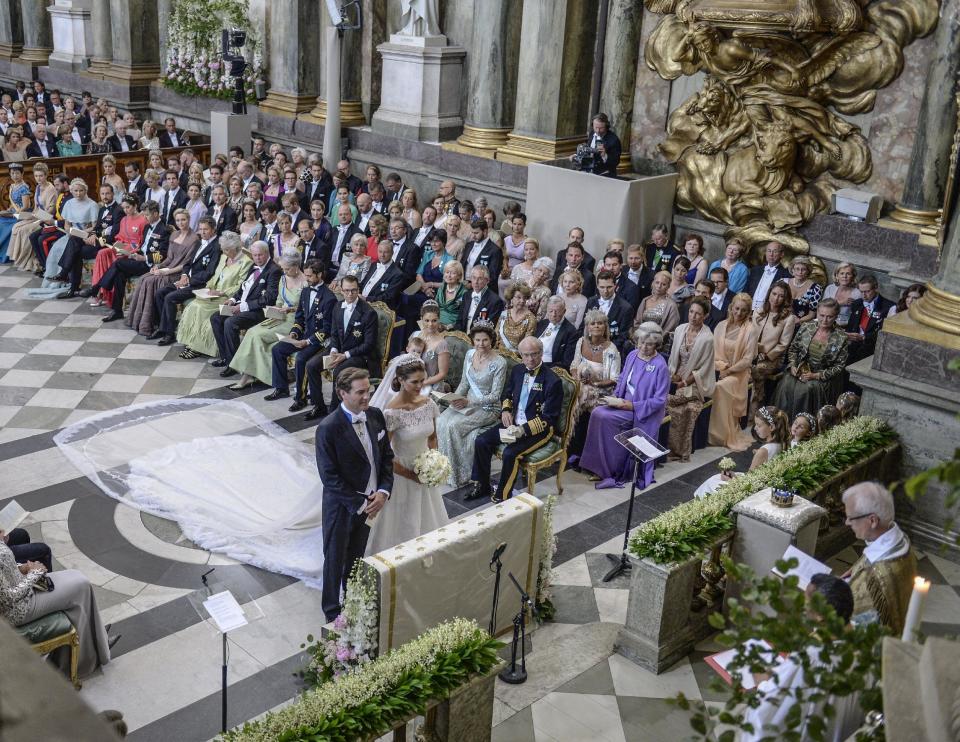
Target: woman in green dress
column 253, row 358
column 194, row 330
column 450, row 296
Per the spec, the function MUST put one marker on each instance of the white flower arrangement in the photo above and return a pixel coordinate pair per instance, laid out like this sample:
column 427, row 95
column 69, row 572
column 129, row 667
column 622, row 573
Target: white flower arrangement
column 432, row 467
column 548, row 548
column 726, row 464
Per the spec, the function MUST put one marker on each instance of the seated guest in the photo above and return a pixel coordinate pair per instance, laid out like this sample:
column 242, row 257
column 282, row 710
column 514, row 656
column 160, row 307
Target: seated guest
column 531, row 402
column 522, row 269
column 259, row 290
column 142, row 315
column 805, row 293
column 576, row 235
column 557, row 334
column 224, row 217
column 385, row 281
column 637, row 272
column 694, row 375
column 517, row 321
column 571, row 283
column 574, row 263
column 735, row 347
column 679, row 290
column 129, row 238
column 44, row 195
column 515, row 248
column 341, row 238
column 313, row 246
column 596, row 365
column 762, row 277
column 774, row 325
column 79, row 249
column 354, row 261
column 24, row 551
column 539, row 286
column 21, row 603
column 618, row 312
column 815, row 361
column 455, row 244
column 722, row 293
column 844, row 290
column 431, row 268
column 803, row 428
column 660, row 250
column 828, row 417
column 693, row 252
column 406, row 253
column 642, row 393
column 310, row 334
column 253, row 357
column 866, row 319
column 481, row 302
column 66, row 146
column 285, row 238
column 909, row 295
column 481, row 382
column 882, row 579
column 703, row 289
column 450, row 295
column 423, row 234
column 19, row 195
column 435, row 353
column 659, row 307
column 732, row 263
column 353, row 342
column 480, row 251
column 849, row 405
column 376, row 230
column 232, row 265
column 625, row 288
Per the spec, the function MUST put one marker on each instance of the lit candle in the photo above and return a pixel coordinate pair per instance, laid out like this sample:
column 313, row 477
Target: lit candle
column 915, row 610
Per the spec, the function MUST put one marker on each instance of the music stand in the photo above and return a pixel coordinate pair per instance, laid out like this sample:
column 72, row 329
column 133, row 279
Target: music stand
column 643, row 449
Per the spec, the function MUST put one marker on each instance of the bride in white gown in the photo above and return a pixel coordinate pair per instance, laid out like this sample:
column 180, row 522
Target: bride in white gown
column 414, row 508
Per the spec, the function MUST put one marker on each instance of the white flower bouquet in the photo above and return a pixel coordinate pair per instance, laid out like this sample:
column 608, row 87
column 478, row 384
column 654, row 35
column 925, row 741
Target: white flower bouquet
column 726, row 464
column 432, row 467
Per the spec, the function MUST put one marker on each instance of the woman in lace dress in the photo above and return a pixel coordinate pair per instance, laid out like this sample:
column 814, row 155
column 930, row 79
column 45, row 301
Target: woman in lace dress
column 517, row 322
column 805, row 292
column 484, row 373
column 436, row 356
column 596, row 365
column 414, row 508
column 539, row 283
column 523, row 269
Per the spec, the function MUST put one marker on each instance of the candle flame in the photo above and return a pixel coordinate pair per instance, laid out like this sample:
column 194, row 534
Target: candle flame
column 921, row 584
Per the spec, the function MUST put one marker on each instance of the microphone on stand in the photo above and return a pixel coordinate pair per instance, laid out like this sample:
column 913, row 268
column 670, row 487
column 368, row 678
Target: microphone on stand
column 497, row 554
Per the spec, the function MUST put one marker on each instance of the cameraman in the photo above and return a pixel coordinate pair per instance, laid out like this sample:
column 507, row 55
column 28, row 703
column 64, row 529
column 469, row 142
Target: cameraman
column 607, row 145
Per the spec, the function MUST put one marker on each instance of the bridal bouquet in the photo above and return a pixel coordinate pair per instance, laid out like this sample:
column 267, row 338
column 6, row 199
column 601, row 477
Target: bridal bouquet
column 432, row 467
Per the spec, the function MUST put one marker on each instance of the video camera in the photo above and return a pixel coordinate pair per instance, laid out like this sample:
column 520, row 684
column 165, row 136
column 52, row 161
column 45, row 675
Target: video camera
column 585, row 158
column 232, row 42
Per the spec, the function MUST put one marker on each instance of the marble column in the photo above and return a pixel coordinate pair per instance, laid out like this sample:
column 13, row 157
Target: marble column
column 492, row 76
column 351, row 108
column 924, row 185
column 553, row 91
column 135, row 35
column 37, row 33
column 374, row 33
column 164, row 11
column 72, row 34
column 294, row 61
column 11, row 29
column 621, row 54
column 102, row 37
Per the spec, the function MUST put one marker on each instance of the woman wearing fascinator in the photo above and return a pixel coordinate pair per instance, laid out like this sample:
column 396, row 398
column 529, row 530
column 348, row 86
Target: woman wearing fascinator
column 410, row 415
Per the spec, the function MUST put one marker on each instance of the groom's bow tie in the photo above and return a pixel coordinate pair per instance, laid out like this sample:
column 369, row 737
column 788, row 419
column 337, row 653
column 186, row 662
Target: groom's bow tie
column 361, row 418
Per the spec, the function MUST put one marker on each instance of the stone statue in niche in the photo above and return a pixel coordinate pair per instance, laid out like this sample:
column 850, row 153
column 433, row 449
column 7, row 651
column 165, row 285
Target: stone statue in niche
column 419, row 18
column 763, row 145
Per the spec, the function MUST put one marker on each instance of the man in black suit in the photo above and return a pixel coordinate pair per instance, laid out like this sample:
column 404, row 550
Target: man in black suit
column 619, row 312
column 867, row 315
column 171, row 136
column 722, row 295
column 353, row 182
column 355, row 462
column 247, row 174
column 406, row 253
column 78, row 250
column 353, row 341
column 268, row 217
column 531, row 402
column 44, row 145
column 120, row 141
column 153, row 249
column 310, row 334
column 199, row 269
column 385, row 281
column 427, row 229
column 762, row 277
column 342, row 234
column 223, row 215
column 637, row 272
column 314, row 248
column 626, row 289
column 378, row 198
column 395, row 187
column 574, row 261
column 481, row 302
column 576, row 234
column 291, row 205
column 483, row 252
column 135, row 183
column 365, row 212
column 557, row 334
column 704, row 289
column 258, row 291
column 320, row 183
column 660, row 250
column 607, row 145
column 258, row 151
column 174, row 198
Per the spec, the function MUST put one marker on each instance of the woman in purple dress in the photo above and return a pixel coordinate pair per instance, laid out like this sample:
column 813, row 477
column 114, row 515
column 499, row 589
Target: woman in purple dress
column 642, row 391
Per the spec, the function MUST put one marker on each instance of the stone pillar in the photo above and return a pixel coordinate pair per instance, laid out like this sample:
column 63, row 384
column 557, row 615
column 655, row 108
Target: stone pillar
column 37, row 34
column 72, row 34
column 351, row 109
column 294, row 62
column 136, row 44
column 924, row 186
column 102, row 37
column 553, row 92
column 11, row 30
column 621, row 54
column 164, row 11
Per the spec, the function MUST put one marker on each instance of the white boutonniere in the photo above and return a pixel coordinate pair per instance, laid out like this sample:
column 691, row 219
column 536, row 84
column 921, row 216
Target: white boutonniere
column 263, row 280
column 357, row 333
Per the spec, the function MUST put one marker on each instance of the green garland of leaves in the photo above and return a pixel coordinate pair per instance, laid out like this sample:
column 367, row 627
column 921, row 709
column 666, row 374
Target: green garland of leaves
column 367, row 702
column 689, row 528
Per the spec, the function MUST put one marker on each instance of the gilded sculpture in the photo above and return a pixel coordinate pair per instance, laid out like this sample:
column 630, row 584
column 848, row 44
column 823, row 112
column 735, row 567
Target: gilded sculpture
column 764, row 144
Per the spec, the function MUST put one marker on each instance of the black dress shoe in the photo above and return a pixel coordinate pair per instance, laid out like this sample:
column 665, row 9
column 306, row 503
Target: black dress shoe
column 156, row 335
column 495, row 499
column 167, row 340
column 113, row 317
column 476, row 493
column 71, row 294
column 228, row 372
column 277, row 394
column 111, row 640
column 315, row 414
column 87, row 293
column 298, row 404
column 218, row 363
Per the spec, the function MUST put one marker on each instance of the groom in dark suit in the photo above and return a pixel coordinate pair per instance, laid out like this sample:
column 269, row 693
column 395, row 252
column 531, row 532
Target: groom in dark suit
column 356, row 467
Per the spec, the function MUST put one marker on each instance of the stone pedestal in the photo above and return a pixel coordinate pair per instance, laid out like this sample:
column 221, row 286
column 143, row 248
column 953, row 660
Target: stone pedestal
column 294, row 62
column 136, row 46
column 229, row 129
column 102, row 50
column 11, row 29
column 72, row 34
column 921, row 689
column 37, row 39
column 420, row 95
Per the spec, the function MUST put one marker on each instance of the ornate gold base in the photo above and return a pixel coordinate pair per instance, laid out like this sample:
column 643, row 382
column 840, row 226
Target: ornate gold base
column 905, row 325
column 482, row 138
column 98, row 67
column 351, row 113
column 11, row 51
column 521, row 150
column 920, row 217
column 132, row 74
column 287, row 104
column 39, row 55
column 939, row 310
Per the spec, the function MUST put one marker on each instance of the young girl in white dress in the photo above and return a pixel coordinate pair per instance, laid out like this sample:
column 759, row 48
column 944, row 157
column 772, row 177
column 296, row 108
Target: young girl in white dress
column 414, row 508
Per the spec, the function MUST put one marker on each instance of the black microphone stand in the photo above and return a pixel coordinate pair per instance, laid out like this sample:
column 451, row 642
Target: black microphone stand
column 513, row 674
column 496, row 587
column 223, row 665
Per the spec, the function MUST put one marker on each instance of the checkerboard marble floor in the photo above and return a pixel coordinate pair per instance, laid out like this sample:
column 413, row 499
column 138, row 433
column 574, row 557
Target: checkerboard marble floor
column 59, row 364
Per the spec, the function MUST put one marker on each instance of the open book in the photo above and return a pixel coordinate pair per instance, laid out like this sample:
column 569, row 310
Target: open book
column 226, row 310
column 45, row 216
column 284, row 338
column 274, row 313
column 11, row 516
column 447, row 397
column 720, row 663
column 81, row 233
column 806, row 569
column 204, row 294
